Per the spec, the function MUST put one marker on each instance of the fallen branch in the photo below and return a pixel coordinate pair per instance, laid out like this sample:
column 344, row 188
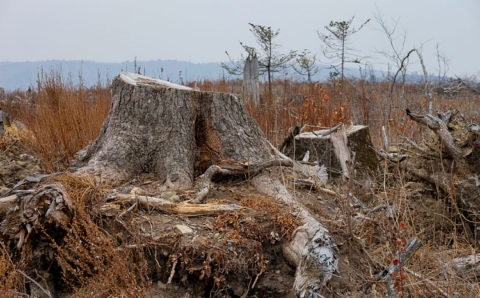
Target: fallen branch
column 184, row 208
column 249, row 170
column 324, row 133
column 440, row 128
column 313, row 184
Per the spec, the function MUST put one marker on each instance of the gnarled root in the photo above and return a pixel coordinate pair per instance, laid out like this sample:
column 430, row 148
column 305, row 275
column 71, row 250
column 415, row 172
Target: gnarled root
column 311, row 249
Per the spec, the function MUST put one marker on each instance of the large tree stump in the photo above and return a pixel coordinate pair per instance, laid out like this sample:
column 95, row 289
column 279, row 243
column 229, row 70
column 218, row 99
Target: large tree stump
column 176, row 133
column 170, row 130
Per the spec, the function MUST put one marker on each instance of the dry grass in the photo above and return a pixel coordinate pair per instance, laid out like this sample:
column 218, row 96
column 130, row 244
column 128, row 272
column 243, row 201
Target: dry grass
column 12, row 283
column 95, row 263
column 61, row 118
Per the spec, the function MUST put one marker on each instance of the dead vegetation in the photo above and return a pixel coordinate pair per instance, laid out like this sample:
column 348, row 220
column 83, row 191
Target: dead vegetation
column 118, row 247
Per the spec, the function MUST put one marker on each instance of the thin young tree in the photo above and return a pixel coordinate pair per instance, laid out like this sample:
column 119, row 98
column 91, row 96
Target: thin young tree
column 395, row 54
column 306, row 64
column 336, row 41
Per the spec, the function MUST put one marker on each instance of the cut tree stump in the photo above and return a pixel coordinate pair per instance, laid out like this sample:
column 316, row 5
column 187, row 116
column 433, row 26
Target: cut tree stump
column 171, row 131
column 323, row 148
column 176, row 133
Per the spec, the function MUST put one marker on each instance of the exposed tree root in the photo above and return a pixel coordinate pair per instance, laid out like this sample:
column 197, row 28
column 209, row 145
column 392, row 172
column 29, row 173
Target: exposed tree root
column 311, row 249
column 247, row 170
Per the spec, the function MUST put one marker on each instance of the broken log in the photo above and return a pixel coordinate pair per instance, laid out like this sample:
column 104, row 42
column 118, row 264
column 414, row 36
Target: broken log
column 323, row 149
column 311, row 250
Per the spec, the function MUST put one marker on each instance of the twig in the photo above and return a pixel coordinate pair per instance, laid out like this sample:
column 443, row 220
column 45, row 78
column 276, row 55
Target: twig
column 250, row 171
column 327, row 132
column 312, row 183
column 427, row 281
column 36, row 283
column 172, row 273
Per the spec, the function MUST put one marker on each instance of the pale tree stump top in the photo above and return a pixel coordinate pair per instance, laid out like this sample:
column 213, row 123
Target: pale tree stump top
column 136, row 79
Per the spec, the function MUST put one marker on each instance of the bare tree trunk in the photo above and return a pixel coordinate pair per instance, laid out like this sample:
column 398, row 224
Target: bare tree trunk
column 171, row 131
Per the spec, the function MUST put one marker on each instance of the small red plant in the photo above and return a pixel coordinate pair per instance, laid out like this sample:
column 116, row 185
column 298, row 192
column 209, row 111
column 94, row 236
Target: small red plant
column 398, row 275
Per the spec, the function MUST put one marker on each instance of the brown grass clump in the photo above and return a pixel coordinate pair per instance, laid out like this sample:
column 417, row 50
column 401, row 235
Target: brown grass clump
column 61, row 118
column 94, row 261
column 11, row 283
column 280, row 218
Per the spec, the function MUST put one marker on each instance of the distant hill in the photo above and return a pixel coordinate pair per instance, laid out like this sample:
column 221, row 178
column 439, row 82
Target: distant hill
column 21, row 75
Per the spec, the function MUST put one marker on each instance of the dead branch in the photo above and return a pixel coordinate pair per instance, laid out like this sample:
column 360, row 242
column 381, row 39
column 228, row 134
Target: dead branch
column 47, row 292
column 313, row 184
column 416, row 146
column 289, row 138
column 327, row 132
column 440, row 128
column 184, row 208
column 428, row 91
column 249, row 170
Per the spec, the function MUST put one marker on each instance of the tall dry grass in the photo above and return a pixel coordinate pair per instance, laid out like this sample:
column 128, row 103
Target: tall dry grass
column 61, row 118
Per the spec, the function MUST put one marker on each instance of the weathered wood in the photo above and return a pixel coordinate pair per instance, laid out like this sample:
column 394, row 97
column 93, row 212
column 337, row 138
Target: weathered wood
column 312, row 251
column 186, row 209
column 171, row 131
column 467, row 267
column 248, row 170
column 439, row 126
column 251, row 86
column 322, row 149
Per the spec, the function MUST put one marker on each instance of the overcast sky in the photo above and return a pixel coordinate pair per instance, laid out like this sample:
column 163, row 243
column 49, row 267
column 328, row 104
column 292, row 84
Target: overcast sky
column 201, row 31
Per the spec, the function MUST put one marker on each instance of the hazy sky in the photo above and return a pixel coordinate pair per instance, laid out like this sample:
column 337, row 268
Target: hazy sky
column 200, row 31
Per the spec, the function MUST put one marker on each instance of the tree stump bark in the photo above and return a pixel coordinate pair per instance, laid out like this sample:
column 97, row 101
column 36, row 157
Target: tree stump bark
column 177, row 133
column 170, row 130
column 323, row 148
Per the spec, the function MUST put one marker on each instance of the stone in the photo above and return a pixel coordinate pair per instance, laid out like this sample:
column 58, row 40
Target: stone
column 184, row 229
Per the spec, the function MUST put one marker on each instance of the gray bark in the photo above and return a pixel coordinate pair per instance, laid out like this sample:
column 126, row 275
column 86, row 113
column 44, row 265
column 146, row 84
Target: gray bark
column 171, row 131
column 325, row 150
column 251, row 87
